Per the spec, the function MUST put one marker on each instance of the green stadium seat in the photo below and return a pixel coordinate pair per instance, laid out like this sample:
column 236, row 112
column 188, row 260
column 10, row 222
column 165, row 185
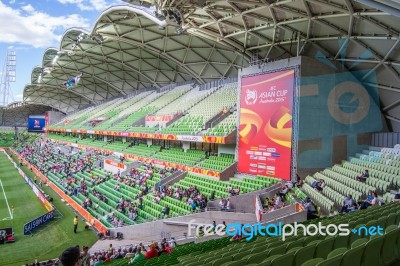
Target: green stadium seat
column 352, row 256
column 304, row 254
column 313, row 262
column 372, row 251
column 324, row 247
column 389, row 252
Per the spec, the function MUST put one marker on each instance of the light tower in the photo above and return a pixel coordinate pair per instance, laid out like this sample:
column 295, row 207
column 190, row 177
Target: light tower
column 8, row 75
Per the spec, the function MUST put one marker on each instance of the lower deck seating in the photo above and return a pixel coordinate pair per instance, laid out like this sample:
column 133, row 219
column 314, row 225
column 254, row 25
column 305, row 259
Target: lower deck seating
column 345, row 250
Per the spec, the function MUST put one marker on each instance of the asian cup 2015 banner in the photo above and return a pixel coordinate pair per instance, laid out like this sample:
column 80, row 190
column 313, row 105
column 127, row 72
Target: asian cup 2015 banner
column 265, row 133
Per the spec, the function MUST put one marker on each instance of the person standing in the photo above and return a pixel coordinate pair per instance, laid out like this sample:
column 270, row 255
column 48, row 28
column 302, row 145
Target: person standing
column 75, row 224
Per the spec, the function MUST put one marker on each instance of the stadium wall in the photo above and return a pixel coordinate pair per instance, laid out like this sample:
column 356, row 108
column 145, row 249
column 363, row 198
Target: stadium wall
column 54, row 117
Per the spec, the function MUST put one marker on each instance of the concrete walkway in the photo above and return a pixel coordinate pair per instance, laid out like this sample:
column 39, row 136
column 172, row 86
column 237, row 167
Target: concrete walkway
column 104, row 244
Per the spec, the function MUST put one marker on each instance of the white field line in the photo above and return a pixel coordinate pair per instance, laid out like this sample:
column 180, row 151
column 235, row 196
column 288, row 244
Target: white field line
column 8, row 206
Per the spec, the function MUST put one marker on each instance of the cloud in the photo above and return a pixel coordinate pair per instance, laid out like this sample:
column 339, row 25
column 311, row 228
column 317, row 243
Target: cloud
column 98, row 5
column 12, row 2
column 18, row 97
column 28, row 26
column 28, row 8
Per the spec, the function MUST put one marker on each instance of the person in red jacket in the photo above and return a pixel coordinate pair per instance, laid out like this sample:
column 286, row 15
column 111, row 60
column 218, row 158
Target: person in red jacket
column 152, row 252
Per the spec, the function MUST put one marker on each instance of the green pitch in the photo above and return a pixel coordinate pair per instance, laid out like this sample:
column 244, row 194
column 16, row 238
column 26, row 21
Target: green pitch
column 48, row 241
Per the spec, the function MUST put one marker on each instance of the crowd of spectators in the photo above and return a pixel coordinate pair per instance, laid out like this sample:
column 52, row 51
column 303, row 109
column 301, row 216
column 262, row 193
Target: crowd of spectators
column 350, row 205
column 135, row 253
column 191, row 196
column 51, row 157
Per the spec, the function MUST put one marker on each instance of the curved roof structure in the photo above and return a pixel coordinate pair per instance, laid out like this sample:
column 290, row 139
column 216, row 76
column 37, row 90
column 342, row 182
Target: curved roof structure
column 132, row 46
column 128, row 49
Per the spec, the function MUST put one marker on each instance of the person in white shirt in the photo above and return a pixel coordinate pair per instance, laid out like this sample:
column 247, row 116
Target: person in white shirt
column 289, row 185
column 278, row 201
column 222, row 204
column 172, row 242
column 228, row 205
column 283, row 192
column 370, row 201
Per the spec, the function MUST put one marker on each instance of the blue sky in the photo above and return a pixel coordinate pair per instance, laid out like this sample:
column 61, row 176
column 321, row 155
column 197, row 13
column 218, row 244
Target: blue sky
column 30, row 27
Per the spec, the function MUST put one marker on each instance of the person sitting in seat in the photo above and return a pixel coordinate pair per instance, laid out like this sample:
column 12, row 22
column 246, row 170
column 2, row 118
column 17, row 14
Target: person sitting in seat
column 363, row 177
column 200, row 232
column 153, row 252
column 165, row 212
column 278, row 201
column 320, row 186
column 222, row 204
column 315, row 184
column 138, row 257
column 348, row 205
column 311, row 211
column 371, row 200
column 283, row 192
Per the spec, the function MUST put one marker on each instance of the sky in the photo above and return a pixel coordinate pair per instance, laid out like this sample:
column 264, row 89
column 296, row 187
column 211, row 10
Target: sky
column 30, row 27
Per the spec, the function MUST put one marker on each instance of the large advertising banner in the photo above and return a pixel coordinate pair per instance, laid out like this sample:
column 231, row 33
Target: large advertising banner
column 32, row 225
column 265, row 133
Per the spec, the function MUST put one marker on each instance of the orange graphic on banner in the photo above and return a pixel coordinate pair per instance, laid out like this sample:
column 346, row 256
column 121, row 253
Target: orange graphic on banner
column 253, row 123
column 276, row 130
column 116, row 164
column 157, row 118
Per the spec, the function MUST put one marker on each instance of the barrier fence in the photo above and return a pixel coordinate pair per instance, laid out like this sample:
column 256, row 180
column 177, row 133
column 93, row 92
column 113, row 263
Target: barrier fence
column 82, row 212
column 205, row 139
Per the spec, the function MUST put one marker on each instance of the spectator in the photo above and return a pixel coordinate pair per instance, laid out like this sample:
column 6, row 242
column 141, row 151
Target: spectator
column 138, row 257
column 214, row 226
column 165, row 211
column 371, row 200
column 299, row 182
column 172, row 242
column 162, row 249
column 168, row 249
column 110, row 248
column 283, row 192
column 228, row 205
column 278, row 201
column 222, row 204
column 200, row 232
column 71, row 257
column 311, row 211
column 212, row 196
column 75, row 224
column 194, row 205
column 85, row 256
column 348, row 205
column 320, row 185
column 363, row 177
column 289, row 185
column 152, row 252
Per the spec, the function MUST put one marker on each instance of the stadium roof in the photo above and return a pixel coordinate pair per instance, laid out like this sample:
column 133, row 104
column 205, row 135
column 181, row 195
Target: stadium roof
column 161, row 42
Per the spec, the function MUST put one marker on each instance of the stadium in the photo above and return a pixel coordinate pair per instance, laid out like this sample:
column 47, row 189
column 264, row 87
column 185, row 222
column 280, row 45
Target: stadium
column 213, row 133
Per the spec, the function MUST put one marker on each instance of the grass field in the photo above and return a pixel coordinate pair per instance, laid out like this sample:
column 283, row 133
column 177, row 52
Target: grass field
column 48, row 241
